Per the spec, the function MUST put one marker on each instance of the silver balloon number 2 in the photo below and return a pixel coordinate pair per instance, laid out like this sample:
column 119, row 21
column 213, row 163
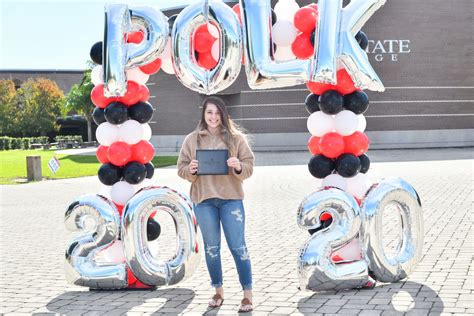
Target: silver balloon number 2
column 318, row 272
column 99, row 219
column 315, row 268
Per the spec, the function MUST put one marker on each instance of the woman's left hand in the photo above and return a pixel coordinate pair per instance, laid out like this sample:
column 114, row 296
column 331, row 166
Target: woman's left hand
column 234, row 162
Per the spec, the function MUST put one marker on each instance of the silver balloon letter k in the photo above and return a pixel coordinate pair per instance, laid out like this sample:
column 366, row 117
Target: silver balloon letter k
column 336, row 44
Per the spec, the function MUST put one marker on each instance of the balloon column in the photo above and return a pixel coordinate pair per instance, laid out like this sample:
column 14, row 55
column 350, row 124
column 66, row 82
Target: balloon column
column 124, row 212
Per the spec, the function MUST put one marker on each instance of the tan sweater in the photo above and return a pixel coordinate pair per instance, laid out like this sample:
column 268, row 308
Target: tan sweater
column 215, row 186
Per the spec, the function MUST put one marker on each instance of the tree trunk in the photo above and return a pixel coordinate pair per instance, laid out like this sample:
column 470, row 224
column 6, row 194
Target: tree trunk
column 89, row 129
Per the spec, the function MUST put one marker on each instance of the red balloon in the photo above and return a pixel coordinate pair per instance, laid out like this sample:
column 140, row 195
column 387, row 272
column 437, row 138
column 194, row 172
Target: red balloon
column 356, row 144
column 313, row 145
column 345, row 85
column 325, row 216
column 135, row 37
column 305, row 19
column 134, row 283
column 119, row 153
column 302, row 47
column 152, row 68
column 98, row 98
column 132, row 95
column 119, row 208
column 331, row 145
column 318, row 88
column 143, row 152
column 206, row 61
column 203, row 41
column 236, row 9
column 144, row 93
column 101, row 154
column 313, row 6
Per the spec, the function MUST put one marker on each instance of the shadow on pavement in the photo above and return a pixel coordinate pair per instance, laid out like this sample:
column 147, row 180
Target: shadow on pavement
column 121, row 301
column 392, row 299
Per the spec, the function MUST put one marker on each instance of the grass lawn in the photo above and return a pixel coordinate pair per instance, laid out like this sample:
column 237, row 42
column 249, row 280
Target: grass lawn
column 13, row 165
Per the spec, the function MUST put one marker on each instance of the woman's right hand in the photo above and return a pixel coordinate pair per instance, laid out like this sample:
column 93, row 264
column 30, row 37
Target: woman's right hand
column 193, row 166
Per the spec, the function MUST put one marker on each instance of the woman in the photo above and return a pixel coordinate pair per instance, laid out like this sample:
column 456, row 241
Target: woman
column 218, row 198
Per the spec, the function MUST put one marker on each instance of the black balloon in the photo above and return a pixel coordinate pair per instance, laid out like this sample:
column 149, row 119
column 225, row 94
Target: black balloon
column 141, row 112
column 324, row 224
column 320, row 166
column 312, row 103
column 171, row 20
column 362, row 39
column 109, row 174
column 96, row 53
column 357, row 102
column 153, row 229
column 134, row 172
column 98, row 116
column 347, row 165
column 116, row 113
column 331, row 102
column 274, row 17
column 150, row 170
column 312, row 36
column 364, row 163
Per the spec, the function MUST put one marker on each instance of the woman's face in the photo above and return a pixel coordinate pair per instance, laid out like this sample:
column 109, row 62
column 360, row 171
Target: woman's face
column 212, row 115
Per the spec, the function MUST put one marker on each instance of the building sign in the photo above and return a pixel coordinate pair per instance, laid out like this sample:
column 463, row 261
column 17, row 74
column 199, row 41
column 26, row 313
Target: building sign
column 388, row 50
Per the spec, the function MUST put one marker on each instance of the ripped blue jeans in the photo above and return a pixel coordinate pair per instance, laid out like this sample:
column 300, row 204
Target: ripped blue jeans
column 210, row 214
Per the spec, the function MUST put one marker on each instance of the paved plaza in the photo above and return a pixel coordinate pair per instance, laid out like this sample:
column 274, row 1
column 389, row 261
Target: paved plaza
column 34, row 239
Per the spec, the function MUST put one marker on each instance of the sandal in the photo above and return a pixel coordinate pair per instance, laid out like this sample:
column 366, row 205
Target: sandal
column 216, row 301
column 245, row 306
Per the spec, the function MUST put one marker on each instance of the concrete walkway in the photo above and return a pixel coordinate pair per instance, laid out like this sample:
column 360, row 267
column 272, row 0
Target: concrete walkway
column 34, row 240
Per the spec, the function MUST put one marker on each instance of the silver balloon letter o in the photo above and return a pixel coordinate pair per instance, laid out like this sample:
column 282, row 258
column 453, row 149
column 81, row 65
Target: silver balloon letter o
column 143, row 264
column 408, row 253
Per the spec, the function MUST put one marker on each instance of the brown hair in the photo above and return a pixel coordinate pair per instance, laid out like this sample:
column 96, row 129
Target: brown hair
column 229, row 128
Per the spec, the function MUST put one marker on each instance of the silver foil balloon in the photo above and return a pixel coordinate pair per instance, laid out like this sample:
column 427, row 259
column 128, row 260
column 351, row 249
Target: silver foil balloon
column 230, row 62
column 119, row 55
column 316, row 271
column 262, row 71
column 143, row 264
column 81, row 269
column 336, row 45
column 388, row 193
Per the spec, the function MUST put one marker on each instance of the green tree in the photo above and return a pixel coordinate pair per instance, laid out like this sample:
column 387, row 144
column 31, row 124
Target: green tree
column 78, row 100
column 37, row 107
column 7, row 107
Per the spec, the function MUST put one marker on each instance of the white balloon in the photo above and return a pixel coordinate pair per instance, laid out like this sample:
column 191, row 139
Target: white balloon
column 319, row 123
column 105, row 191
column 135, row 74
column 283, row 33
column 121, row 192
column 167, row 66
column 215, row 50
column 213, row 30
column 346, row 122
column 107, row 134
column 351, row 251
column 284, row 53
column 112, row 254
column 285, row 10
column 131, row 132
column 358, row 185
column 167, row 51
column 97, row 75
column 335, row 180
column 361, row 123
column 146, row 131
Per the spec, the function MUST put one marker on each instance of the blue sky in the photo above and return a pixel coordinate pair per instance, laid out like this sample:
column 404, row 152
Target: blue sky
column 55, row 34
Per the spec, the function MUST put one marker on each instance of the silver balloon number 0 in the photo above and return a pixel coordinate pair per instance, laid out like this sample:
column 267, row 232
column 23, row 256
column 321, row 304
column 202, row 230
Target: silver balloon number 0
column 99, row 220
column 318, row 272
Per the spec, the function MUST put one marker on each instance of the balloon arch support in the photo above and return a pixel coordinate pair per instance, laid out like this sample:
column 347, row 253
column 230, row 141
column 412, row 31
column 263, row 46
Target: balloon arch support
column 205, row 46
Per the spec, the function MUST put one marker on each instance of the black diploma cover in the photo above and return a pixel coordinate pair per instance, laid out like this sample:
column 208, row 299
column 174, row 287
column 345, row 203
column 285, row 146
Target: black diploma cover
column 212, row 161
